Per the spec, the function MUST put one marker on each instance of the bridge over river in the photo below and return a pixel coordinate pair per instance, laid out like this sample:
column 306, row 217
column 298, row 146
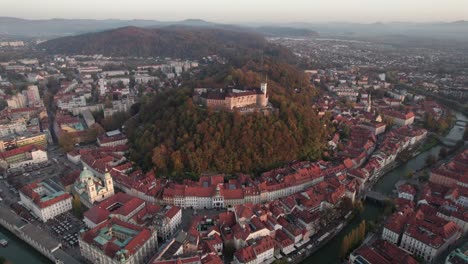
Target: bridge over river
column 376, row 196
column 448, row 142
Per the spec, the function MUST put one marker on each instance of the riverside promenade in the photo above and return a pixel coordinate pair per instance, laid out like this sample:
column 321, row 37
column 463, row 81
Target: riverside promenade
column 35, row 237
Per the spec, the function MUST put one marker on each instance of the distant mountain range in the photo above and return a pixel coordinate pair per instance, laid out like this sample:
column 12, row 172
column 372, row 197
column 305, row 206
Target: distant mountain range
column 398, row 33
column 65, row 27
column 457, row 30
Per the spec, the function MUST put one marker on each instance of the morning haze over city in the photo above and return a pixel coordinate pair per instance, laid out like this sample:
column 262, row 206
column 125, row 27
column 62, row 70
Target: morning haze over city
column 244, row 132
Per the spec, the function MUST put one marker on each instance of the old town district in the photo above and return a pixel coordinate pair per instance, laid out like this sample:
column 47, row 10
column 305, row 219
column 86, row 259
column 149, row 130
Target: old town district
column 242, row 218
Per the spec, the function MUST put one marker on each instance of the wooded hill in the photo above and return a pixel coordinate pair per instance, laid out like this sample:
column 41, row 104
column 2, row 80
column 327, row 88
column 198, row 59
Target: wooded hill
column 174, row 41
column 176, row 136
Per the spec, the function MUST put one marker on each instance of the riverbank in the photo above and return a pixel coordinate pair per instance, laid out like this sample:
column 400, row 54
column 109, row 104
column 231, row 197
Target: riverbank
column 323, row 238
column 373, row 213
column 329, row 253
column 34, row 236
column 344, row 226
column 430, row 143
column 18, row 251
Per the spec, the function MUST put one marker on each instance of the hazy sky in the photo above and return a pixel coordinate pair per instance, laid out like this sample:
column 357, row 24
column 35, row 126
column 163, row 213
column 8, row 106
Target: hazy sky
column 242, row 10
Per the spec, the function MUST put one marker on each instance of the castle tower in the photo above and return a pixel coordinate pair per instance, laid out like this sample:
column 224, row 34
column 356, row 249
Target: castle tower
column 108, row 182
column 262, row 99
column 263, row 88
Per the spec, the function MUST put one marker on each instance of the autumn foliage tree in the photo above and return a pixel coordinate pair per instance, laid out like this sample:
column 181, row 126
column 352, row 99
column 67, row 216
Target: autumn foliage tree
column 76, row 206
column 440, row 125
column 174, row 135
column 353, row 239
column 115, row 121
column 345, row 246
column 66, row 142
column 93, row 132
column 177, row 137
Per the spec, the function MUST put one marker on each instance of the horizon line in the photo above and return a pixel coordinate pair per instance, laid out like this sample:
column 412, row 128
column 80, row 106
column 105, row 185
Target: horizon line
column 243, row 23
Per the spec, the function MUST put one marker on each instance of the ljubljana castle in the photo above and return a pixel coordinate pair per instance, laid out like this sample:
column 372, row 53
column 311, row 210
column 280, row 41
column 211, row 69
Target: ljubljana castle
column 231, row 99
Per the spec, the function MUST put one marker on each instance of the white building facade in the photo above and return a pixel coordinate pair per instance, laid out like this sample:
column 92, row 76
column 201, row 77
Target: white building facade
column 44, row 201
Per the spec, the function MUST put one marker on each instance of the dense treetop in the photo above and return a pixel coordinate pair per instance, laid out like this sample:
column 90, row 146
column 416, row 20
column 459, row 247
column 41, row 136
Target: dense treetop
column 174, row 135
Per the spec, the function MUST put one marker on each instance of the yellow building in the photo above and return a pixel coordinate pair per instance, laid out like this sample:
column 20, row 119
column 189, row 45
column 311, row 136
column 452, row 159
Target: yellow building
column 39, row 139
column 234, row 99
column 27, row 139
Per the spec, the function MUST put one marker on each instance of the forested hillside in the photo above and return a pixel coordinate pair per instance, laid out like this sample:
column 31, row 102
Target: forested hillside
column 176, row 136
column 173, row 41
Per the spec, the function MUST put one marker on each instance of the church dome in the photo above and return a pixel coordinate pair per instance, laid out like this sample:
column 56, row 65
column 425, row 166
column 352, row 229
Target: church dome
column 86, row 174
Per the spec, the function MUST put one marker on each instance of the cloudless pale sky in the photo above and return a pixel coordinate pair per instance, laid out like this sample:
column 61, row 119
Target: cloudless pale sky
column 366, row 11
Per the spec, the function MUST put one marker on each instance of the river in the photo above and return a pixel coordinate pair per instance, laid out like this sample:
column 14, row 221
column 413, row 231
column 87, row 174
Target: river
column 18, row 252
column 330, row 253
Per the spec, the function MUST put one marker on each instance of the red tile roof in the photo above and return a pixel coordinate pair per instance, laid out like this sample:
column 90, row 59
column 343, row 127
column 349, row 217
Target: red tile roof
column 232, row 193
column 348, row 163
column 396, row 222
column 172, row 212
column 430, row 229
column 212, row 259
column 107, row 139
column 226, row 219
column 407, row 188
column 263, row 244
column 30, row 192
column 70, row 178
column 97, row 215
column 20, row 150
column 283, row 239
column 400, row 115
column 110, row 249
column 245, row 255
column 384, row 252
column 101, row 212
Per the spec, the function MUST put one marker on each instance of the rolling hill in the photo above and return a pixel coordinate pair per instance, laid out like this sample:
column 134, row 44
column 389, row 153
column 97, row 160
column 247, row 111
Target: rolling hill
column 53, row 28
column 48, row 28
column 175, row 136
column 173, row 41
